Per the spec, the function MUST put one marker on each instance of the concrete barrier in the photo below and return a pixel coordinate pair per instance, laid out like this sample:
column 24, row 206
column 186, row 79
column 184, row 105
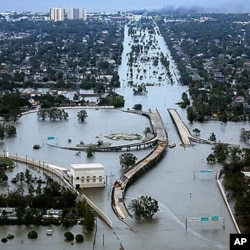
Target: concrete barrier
column 226, row 201
column 58, row 173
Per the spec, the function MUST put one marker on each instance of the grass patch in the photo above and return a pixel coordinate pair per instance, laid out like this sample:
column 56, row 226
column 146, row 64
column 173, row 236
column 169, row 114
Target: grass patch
column 6, row 161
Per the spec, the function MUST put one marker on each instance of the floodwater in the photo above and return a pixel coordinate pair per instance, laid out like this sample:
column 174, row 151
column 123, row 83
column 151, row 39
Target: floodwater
column 183, row 192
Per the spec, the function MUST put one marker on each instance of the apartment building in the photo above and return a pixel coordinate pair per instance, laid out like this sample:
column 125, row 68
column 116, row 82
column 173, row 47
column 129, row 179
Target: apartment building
column 57, row 14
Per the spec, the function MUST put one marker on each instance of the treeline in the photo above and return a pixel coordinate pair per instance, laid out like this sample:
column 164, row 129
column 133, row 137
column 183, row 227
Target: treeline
column 34, row 196
column 234, row 160
column 212, row 53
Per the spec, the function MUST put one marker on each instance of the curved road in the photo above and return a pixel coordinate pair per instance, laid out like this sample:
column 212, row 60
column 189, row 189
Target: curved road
column 119, row 188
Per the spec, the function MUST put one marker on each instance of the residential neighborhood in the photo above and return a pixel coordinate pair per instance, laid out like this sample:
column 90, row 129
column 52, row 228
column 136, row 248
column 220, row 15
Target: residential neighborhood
column 181, row 75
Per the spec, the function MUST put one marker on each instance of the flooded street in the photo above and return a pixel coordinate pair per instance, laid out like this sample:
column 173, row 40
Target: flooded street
column 177, row 182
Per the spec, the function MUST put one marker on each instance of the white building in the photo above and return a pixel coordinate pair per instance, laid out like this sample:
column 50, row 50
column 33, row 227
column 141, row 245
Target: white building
column 57, row 14
column 82, row 14
column 87, row 175
column 73, row 14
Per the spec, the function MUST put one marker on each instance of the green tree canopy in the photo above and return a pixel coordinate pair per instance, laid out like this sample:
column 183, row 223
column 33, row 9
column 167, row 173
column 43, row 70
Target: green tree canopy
column 52, row 114
column 79, row 238
column 89, row 219
column 69, row 236
column 196, row 131
column 90, row 151
column 33, row 235
column 82, row 115
column 127, row 160
column 144, row 207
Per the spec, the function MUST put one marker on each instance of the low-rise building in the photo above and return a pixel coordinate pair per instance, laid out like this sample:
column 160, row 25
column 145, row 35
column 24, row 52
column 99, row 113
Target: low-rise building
column 88, row 175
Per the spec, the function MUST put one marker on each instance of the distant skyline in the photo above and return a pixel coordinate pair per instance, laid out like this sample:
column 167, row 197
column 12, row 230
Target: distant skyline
column 127, row 5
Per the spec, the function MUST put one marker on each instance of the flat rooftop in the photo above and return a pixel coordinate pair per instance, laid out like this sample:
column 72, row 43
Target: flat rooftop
column 87, row 166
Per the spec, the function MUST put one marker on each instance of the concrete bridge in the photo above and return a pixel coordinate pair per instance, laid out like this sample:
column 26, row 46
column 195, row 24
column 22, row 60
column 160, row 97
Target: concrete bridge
column 120, row 186
column 186, row 137
column 159, row 142
column 156, row 125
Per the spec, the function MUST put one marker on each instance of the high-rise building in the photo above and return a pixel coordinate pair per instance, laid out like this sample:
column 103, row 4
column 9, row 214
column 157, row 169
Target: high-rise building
column 57, row 14
column 82, row 14
column 73, row 14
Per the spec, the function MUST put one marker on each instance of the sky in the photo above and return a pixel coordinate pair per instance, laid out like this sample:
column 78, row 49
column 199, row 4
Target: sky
column 124, row 5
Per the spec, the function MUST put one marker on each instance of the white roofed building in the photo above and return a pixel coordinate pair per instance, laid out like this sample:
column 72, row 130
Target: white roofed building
column 89, row 175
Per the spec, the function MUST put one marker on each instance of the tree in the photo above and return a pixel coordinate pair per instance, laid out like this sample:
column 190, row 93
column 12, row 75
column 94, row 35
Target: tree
column 20, row 177
column 212, row 137
column 82, row 208
column 127, row 160
column 112, row 99
column 147, row 130
column 10, row 130
column 52, row 114
column 140, row 89
column 16, row 199
column 211, row 158
column 196, row 131
column 7, row 130
column 137, row 106
column 221, row 152
column 235, row 154
column 28, row 175
column 32, row 235
column 90, row 151
column 3, row 176
column 79, row 238
column 89, row 220
column 82, row 115
column 144, row 207
column 185, row 99
column 42, row 113
column 245, row 135
column 191, row 116
column 1, row 132
column 69, row 236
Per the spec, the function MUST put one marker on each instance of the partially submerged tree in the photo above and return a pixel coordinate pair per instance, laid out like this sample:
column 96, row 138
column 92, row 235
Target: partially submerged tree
column 52, row 114
column 7, row 129
column 212, row 137
column 137, row 106
column 211, row 158
column 69, row 236
column 127, row 160
column 89, row 219
column 90, row 151
column 147, row 130
column 79, row 238
column 144, row 207
column 245, row 135
column 32, row 235
column 196, row 131
column 89, row 216
column 3, row 176
column 82, row 115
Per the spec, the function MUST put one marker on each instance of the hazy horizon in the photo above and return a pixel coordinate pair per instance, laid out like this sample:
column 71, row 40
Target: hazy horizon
column 240, row 6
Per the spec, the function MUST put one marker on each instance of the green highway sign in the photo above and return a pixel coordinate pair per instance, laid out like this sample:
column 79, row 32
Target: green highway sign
column 204, row 219
column 206, row 171
column 50, row 138
column 215, row 218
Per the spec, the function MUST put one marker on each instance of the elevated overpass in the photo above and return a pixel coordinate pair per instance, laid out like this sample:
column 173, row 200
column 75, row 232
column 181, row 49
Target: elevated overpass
column 120, row 186
column 186, row 137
